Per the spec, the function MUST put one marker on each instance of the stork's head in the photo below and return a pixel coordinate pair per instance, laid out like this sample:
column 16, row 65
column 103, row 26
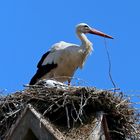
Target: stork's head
column 84, row 28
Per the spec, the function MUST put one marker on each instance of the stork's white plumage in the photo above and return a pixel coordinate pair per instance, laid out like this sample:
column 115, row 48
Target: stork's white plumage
column 63, row 59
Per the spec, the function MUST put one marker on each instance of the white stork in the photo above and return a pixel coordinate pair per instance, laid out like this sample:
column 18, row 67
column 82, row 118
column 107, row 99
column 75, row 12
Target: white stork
column 63, row 59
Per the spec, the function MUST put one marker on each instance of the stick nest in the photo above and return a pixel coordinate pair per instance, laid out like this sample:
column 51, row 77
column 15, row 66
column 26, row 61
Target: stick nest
column 71, row 108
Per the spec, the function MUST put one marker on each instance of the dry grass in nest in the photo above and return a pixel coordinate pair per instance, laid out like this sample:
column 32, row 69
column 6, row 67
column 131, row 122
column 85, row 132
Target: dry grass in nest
column 72, row 107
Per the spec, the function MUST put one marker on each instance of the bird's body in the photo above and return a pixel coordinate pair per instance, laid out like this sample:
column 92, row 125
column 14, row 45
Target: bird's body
column 63, row 59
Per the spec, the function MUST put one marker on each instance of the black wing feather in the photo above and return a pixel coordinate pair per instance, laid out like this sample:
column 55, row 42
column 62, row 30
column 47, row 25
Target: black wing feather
column 42, row 69
column 42, row 59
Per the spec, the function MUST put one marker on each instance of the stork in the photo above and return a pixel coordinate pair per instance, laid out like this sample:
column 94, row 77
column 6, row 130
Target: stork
column 63, row 59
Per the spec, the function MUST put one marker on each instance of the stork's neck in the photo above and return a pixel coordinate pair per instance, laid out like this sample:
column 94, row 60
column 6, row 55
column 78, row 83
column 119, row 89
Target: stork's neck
column 86, row 44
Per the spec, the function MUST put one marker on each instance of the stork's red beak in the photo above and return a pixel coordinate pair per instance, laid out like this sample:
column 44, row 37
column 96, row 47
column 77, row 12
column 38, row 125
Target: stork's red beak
column 96, row 32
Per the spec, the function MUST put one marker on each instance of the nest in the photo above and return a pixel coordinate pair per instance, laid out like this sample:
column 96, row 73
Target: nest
column 72, row 107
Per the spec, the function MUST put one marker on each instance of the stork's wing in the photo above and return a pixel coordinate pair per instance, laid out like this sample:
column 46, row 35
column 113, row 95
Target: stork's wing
column 45, row 65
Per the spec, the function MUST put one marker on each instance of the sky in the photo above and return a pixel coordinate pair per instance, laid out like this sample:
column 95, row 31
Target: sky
column 28, row 28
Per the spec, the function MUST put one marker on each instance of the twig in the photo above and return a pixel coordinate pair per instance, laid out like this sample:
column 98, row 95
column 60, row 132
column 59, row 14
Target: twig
column 68, row 119
column 109, row 61
column 121, row 102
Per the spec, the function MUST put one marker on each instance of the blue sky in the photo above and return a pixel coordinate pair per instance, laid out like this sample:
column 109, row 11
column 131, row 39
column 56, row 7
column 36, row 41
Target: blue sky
column 28, row 28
